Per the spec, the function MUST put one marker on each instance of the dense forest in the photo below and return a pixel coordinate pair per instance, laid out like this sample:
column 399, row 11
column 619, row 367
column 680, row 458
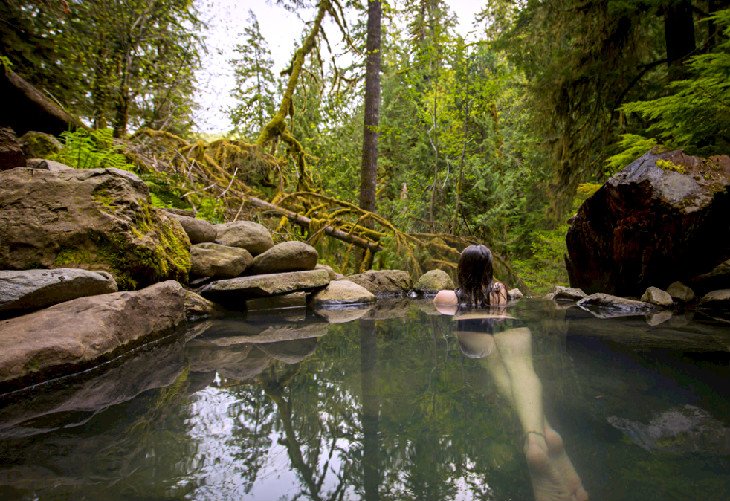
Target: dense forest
column 403, row 140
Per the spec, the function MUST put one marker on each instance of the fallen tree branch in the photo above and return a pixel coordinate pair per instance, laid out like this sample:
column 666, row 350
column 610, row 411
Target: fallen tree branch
column 305, row 222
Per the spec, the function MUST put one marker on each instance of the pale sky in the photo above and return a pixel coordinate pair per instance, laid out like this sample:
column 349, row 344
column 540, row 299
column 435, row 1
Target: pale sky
column 226, row 20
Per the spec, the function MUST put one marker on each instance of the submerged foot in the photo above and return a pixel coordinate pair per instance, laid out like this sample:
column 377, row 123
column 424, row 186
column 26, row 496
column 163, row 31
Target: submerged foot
column 553, row 476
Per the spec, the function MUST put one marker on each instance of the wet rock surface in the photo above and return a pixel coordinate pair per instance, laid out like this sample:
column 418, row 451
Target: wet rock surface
column 85, row 332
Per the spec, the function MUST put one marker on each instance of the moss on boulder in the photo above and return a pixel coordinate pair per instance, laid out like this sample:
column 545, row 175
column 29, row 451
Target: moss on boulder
column 100, row 219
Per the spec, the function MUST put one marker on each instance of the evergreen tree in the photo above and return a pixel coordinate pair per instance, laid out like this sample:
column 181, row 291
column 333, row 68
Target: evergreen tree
column 255, row 83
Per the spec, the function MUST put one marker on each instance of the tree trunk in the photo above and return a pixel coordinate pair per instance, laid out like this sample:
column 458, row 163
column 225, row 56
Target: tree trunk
column 369, row 168
column 679, row 36
column 368, row 173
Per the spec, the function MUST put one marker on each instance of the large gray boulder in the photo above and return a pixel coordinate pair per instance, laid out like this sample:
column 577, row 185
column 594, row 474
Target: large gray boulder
column 283, row 257
column 29, row 290
column 663, row 218
column 198, row 230
column 342, row 293
column 248, row 235
column 97, row 219
column 384, row 282
column 433, row 281
column 84, row 332
column 218, row 261
column 234, row 292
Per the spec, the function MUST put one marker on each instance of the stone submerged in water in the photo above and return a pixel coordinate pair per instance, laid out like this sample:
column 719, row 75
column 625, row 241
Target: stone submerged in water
column 98, row 219
column 29, row 290
column 84, row 332
column 663, row 218
column 234, row 292
column 284, row 257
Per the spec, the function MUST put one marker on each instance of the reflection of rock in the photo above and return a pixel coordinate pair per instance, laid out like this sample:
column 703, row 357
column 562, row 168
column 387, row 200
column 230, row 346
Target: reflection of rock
column 682, row 430
column 342, row 315
column 290, row 352
column 69, row 403
column 655, row 319
column 384, row 309
column 231, row 332
column 293, row 300
column 608, row 306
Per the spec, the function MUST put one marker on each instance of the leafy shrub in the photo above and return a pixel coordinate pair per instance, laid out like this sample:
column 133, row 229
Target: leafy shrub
column 91, row 149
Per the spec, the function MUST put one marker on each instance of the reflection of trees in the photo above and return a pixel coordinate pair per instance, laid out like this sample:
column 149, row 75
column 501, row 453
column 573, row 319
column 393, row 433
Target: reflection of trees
column 313, row 439
column 370, row 413
column 254, row 418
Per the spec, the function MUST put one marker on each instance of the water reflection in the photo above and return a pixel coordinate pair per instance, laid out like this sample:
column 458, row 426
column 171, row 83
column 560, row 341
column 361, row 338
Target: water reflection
column 503, row 345
column 384, row 407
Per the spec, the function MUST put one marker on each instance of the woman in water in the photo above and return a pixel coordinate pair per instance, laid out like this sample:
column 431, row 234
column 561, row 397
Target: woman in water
column 477, row 287
column 504, row 346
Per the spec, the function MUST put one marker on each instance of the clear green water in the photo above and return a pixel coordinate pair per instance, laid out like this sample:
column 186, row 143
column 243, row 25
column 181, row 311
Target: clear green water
column 381, row 407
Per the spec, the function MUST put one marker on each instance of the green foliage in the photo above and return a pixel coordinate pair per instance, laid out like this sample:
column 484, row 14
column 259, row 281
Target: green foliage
column 632, row 147
column 123, row 64
column 696, row 114
column 169, row 190
column 91, row 149
column 255, row 84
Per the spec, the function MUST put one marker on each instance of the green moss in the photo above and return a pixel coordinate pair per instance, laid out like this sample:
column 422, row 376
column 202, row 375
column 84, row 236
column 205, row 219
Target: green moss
column 671, row 166
column 103, row 197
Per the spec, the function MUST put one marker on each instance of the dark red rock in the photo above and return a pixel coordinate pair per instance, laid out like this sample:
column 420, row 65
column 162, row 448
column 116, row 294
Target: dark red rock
column 651, row 225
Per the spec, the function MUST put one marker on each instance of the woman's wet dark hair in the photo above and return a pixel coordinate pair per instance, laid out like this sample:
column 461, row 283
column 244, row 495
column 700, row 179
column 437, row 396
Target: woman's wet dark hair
column 476, row 276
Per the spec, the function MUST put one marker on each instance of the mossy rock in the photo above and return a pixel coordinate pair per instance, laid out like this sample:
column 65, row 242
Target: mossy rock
column 99, row 219
column 39, row 144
